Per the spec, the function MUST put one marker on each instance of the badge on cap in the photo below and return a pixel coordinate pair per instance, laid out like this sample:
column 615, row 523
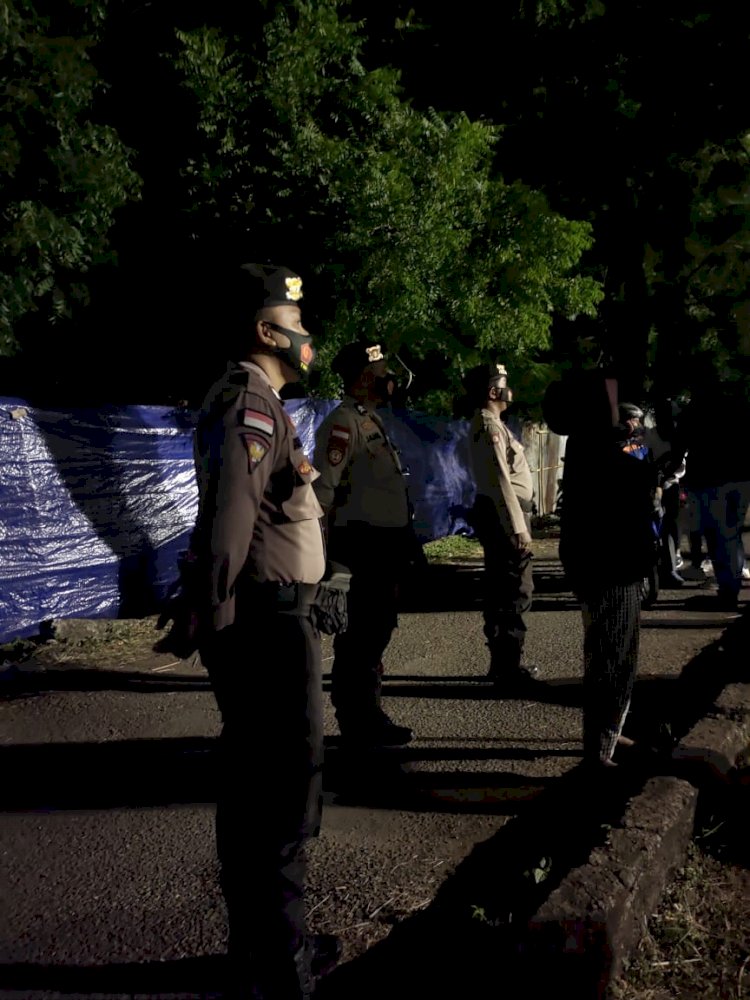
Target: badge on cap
column 304, row 468
column 294, row 288
column 374, row 353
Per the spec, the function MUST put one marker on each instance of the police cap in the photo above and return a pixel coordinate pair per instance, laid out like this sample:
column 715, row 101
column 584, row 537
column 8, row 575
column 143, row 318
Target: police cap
column 484, row 377
column 352, row 360
column 274, row 285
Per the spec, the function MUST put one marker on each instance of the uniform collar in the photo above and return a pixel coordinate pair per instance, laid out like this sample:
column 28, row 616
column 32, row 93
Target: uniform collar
column 256, row 370
column 357, row 405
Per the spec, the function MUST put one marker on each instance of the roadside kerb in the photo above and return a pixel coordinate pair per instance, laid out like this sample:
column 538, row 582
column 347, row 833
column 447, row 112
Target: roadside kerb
column 592, row 921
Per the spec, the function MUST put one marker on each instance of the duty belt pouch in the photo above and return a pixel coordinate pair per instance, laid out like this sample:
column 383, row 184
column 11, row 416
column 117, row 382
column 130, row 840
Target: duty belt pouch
column 329, row 612
column 527, row 506
column 287, row 597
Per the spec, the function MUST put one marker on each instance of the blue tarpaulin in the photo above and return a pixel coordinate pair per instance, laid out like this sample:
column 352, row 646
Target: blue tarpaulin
column 95, row 505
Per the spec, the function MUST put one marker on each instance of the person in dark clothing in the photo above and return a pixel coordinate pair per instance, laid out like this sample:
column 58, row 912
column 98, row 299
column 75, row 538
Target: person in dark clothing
column 718, row 470
column 362, row 490
column 604, row 489
column 252, row 581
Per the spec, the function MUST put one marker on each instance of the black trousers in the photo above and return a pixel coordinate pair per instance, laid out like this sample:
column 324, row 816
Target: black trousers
column 376, row 559
column 611, row 621
column 265, row 671
column 670, row 532
column 508, row 587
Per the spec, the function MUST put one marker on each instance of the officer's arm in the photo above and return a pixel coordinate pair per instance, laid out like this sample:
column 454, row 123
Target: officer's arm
column 335, row 443
column 506, row 501
column 243, row 455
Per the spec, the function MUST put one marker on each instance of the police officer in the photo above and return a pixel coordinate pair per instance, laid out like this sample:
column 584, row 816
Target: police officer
column 363, row 491
column 501, row 517
column 255, row 560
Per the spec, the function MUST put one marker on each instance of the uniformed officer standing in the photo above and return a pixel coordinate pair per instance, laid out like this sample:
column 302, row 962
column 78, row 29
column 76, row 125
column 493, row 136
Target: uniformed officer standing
column 255, row 560
column 363, row 490
column 501, row 518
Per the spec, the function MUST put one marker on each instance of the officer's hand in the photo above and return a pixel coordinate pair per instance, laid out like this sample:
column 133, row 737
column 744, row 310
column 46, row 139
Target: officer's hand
column 522, row 541
column 182, row 638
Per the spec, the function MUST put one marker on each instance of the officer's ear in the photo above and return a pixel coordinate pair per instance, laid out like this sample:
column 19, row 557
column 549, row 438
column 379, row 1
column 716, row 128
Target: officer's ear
column 263, row 333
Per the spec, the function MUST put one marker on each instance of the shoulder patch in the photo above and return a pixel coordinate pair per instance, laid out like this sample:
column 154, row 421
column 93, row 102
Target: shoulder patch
column 256, row 448
column 257, row 421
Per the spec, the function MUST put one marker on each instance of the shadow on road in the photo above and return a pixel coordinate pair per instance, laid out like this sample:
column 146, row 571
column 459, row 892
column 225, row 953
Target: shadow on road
column 187, row 977
column 459, row 588
column 145, row 773
column 107, row 775
column 24, row 683
column 561, row 691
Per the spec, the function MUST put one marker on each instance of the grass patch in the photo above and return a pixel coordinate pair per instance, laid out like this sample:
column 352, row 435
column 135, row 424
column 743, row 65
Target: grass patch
column 697, row 946
column 452, row 548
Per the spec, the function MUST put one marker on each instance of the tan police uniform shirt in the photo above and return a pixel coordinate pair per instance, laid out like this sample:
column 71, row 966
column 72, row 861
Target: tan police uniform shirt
column 500, row 469
column 361, row 478
column 258, row 517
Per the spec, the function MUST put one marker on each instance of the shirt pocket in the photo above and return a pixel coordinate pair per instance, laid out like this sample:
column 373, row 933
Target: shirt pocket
column 516, row 451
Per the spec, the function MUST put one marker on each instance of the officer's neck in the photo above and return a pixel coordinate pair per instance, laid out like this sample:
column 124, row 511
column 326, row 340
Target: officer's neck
column 277, row 372
column 496, row 407
column 364, row 398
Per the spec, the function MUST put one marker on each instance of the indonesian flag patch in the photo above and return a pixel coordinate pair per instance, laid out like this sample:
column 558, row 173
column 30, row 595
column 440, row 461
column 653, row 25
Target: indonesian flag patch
column 257, row 421
column 338, row 442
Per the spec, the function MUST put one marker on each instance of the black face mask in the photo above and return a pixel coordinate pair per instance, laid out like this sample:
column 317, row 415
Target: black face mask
column 504, row 394
column 300, row 355
column 385, row 386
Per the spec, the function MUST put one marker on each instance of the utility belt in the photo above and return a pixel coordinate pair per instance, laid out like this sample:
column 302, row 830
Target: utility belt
column 527, row 506
column 326, row 607
column 283, row 598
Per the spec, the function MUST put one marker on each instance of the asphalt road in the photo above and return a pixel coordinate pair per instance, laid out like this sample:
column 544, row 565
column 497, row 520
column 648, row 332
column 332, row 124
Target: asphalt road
column 108, row 869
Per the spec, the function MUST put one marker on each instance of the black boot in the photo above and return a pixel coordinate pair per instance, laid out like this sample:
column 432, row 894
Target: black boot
column 375, row 729
column 514, row 679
